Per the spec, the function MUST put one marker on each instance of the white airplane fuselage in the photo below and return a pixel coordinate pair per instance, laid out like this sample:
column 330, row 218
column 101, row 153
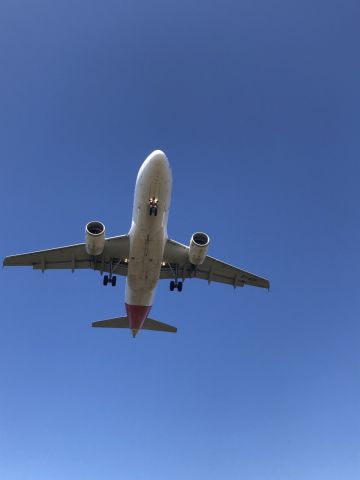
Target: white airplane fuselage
column 148, row 235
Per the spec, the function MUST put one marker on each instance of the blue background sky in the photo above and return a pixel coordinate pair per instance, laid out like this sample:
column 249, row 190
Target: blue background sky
column 256, row 104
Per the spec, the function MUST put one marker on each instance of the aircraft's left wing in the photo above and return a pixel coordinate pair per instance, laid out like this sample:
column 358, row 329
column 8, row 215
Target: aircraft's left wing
column 73, row 257
column 176, row 258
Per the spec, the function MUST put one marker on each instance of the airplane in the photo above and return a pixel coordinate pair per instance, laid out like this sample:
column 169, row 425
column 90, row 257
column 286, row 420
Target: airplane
column 145, row 255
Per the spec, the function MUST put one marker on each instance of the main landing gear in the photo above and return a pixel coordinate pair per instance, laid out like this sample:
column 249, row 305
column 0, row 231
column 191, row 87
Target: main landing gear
column 112, row 280
column 153, row 209
column 175, row 284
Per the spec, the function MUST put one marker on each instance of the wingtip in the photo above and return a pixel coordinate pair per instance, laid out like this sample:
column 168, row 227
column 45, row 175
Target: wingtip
column 9, row 262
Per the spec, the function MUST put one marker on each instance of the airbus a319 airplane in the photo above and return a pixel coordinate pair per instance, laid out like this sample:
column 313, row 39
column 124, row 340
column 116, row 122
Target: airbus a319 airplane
column 144, row 255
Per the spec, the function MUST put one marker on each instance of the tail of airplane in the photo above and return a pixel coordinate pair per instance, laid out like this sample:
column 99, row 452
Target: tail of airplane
column 123, row 322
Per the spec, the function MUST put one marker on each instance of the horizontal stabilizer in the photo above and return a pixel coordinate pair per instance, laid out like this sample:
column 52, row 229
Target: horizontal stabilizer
column 123, row 322
column 119, row 322
column 151, row 324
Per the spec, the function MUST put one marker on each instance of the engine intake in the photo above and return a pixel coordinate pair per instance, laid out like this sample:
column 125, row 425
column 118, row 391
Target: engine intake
column 94, row 238
column 199, row 245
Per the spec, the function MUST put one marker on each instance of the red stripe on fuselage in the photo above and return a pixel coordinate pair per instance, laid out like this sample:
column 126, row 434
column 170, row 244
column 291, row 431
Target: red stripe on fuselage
column 137, row 315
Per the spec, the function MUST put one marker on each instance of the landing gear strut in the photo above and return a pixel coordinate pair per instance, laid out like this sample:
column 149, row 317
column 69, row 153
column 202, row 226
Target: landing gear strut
column 175, row 284
column 111, row 278
column 153, row 206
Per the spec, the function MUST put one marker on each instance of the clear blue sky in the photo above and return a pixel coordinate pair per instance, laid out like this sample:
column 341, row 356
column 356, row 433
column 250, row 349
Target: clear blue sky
column 256, row 104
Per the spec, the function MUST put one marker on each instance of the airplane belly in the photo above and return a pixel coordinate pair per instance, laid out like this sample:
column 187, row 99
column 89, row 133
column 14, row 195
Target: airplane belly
column 145, row 261
column 148, row 232
column 144, row 267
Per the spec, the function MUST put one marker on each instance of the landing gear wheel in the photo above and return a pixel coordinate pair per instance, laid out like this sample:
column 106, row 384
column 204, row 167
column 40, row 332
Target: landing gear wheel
column 179, row 286
column 113, row 281
column 105, row 280
column 172, row 286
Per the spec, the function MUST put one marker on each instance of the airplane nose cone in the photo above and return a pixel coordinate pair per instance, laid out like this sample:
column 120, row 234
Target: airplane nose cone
column 156, row 163
column 158, row 157
column 157, row 153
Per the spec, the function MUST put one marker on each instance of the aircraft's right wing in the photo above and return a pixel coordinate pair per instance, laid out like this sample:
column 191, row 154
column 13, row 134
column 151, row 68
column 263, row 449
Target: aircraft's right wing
column 176, row 256
column 73, row 257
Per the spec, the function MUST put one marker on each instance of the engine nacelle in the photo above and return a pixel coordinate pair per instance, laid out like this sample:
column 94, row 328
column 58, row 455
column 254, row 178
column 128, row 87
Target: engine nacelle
column 199, row 245
column 94, row 238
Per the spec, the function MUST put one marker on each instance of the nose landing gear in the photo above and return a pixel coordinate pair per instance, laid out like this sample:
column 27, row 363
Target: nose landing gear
column 153, row 202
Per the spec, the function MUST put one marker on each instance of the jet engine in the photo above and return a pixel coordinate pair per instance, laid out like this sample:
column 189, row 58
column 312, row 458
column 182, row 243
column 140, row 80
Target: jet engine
column 199, row 245
column 94, row 238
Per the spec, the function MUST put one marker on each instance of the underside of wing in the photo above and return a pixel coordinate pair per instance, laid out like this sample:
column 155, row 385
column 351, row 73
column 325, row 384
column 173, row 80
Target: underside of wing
column 73, row 257
column 176, row 259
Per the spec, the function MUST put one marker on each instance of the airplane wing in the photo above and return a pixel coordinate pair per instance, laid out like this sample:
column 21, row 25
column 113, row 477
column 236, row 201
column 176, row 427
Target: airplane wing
column 73, row 257
column 176, row 258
